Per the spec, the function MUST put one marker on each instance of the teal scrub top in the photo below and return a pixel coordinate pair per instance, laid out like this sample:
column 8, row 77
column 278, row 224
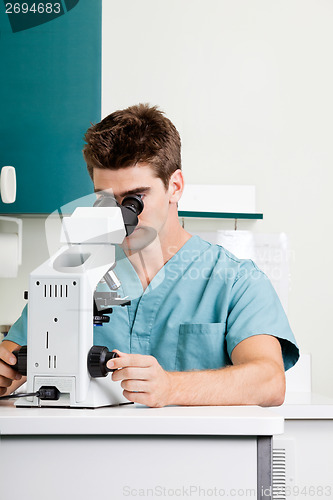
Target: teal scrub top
column 198, row 307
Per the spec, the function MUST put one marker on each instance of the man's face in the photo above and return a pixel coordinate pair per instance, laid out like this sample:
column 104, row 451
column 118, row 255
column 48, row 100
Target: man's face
column 139, row 180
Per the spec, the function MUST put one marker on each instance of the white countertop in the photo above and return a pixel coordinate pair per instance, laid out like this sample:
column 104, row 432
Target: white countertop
column 171, row 420
column 141, row 420
column 306, row 405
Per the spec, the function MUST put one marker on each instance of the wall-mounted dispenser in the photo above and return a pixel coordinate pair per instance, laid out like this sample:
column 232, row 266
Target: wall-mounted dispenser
column 10, row 240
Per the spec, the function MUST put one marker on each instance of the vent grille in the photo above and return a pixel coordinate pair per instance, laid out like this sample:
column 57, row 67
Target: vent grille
column 56, row 291
column 279, row 474
column 52, row 362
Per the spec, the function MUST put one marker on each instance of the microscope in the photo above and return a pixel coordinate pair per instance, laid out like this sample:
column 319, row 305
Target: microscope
column 63, row 366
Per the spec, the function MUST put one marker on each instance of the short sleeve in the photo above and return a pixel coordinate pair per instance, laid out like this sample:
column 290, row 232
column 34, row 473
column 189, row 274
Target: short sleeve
column 255, row 309
column 18, row 332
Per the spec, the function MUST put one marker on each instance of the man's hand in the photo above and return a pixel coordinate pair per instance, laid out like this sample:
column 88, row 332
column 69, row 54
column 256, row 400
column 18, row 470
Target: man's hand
column 142, row 378
column 256, row 378
column 7, row 374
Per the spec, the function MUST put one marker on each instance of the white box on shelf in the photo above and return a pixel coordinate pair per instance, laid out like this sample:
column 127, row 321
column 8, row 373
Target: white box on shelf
column 217, row 198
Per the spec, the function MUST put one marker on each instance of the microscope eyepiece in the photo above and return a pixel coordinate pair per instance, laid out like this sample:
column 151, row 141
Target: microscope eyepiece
column 134, row 202
column 131, row 207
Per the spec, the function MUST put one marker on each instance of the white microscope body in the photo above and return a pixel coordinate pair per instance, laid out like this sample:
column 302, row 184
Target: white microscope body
column 61, row 310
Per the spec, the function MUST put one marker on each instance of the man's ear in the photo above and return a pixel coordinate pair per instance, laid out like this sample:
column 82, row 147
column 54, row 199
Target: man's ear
column 176, row 186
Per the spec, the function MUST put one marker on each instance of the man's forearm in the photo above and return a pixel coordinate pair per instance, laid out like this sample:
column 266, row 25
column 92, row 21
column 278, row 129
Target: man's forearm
column 256, row 383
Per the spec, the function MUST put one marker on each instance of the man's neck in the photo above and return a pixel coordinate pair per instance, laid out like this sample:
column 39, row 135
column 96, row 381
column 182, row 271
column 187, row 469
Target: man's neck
column 150, row 260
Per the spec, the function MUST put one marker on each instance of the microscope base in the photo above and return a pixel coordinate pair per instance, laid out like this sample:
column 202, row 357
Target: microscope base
column 101, row 392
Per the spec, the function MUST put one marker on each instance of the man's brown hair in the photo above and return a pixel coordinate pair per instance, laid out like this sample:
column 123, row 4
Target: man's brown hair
column 138, row 134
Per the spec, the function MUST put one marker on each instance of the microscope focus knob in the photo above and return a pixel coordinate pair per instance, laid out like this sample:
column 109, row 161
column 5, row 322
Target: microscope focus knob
column 98, row 356
column 21, row 363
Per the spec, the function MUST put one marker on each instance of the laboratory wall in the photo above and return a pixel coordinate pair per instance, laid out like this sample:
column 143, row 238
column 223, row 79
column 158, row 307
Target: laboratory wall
column 249, row 86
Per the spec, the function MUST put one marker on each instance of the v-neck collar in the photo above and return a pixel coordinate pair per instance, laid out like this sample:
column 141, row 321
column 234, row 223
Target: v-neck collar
column 130, row 281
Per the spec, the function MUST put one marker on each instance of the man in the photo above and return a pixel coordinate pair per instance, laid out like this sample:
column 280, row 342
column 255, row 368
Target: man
column 203, row 328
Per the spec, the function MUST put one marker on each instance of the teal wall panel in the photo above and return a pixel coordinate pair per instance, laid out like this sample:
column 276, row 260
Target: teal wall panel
column 50, row 94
